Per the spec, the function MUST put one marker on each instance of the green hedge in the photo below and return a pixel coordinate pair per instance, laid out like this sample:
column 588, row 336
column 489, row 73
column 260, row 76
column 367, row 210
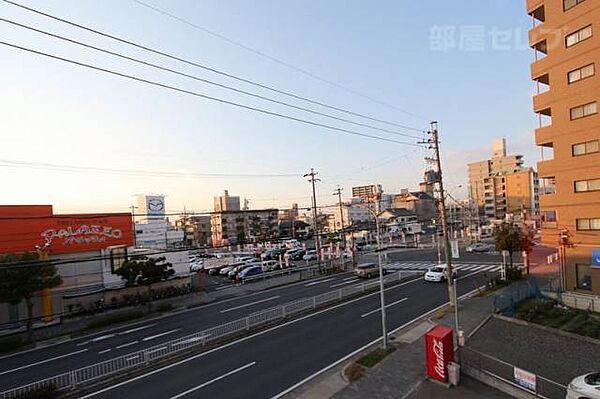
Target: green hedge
column 114, row 319
column 10, row 343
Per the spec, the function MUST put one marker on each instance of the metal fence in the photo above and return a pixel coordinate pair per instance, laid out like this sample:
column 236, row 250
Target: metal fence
column 89, row 374
column 507, row 301
column 508, row 373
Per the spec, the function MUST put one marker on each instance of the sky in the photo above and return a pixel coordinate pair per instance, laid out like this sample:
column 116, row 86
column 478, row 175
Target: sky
column 464, row 64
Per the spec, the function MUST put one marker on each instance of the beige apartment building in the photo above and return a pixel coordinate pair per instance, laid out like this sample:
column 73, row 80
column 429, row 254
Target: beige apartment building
column 566, row 42
column 502, row 188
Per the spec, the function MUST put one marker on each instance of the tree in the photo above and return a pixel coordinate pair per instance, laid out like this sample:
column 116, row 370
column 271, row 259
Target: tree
column 510, row 238
column 141, row 270
column 22, row 277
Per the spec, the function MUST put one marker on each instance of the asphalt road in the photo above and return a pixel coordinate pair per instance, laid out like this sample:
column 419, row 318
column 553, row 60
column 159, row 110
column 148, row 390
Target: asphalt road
column 23, row 368
column 268, row 363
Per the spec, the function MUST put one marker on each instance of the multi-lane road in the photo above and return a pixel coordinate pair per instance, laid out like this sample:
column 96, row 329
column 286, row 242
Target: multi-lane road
column 406, row 301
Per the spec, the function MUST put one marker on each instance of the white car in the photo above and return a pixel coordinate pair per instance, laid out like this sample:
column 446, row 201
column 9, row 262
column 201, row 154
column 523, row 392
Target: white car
column 480, row 247
column 196, row 265
column 438, row 273
column 584, row 387
column 310, row 255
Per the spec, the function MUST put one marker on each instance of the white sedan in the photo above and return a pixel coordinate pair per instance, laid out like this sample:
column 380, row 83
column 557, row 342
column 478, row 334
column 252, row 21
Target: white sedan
column 438, row 273
column 584, row 387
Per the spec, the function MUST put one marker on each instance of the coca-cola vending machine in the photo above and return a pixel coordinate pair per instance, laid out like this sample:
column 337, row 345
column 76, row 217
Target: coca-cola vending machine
column 439, row 347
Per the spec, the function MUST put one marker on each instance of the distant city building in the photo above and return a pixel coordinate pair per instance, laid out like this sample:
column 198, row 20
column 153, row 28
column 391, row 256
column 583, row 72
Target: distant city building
column 244, row 226
column 500, row 163
column 565, row 38
column 226, row 202
column 289, row 214
column 196, row 229
column 502, row 188
column 152, row 229
column 369, row 192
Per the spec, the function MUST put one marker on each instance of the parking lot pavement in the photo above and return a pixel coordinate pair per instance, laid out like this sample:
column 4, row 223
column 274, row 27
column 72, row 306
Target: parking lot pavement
column 468, row 388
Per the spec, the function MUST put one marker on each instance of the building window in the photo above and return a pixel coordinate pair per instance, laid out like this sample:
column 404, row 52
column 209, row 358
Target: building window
column 579, row 36
column 584, row 277
column 549, row 220
column 568, row 4
column 582, row 186
column 588, row 224
column 584, row 110
column 118, row 256
column 581, row 73
column 588, row 147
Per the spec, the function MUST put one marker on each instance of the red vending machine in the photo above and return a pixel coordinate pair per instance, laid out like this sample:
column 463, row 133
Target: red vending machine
column 439, row 347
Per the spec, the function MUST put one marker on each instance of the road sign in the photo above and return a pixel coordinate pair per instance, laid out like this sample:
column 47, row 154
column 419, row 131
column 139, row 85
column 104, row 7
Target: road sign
column 596, row 257
column 454, row 247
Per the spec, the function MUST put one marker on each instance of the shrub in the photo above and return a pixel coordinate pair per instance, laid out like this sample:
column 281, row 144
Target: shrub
column 164, row 307
column 10, row 343
column 46, row 392
column 114, row 319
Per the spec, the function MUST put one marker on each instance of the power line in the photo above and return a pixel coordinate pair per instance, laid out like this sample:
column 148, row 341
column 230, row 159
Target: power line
column 204, row 96
column 197, row 78
column 278, row 61
column 210, row 69
column 132, row 172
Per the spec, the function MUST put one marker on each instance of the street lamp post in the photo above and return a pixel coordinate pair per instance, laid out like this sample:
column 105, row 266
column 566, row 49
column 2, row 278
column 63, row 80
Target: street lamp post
column 381, row 285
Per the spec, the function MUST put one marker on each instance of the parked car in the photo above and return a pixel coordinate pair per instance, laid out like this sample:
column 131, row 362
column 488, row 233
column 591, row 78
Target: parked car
column 215, row 270
column 226, row 269
column 584, row 387
column 196, row 265
column 310, row 255
column 273, row 254
column 438, row 273
column 246, row 259
column 368, row 270
column 270, row 265
column 296, row 254
column 250, row 272
column 233, row 273
column 480, row 247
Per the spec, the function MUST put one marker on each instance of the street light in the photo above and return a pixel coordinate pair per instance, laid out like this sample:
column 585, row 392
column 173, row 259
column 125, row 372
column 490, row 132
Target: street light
column 381, row 285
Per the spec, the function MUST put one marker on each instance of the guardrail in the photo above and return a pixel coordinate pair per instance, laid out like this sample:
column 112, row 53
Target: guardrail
column 510, row 374
column 89, row 374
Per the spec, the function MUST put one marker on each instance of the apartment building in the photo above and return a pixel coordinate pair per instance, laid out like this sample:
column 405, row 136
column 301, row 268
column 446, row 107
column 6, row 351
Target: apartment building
column 511, row 196
column 243, row 226
column 196, row 229
column 500, row 163
column 566, row 41
column 368, row 192
column 226, row 202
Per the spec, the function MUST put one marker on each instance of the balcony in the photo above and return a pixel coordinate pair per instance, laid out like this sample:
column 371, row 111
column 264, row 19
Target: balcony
column 536, row 9
column 544, row 135
column 547, row 168
column 542, row 102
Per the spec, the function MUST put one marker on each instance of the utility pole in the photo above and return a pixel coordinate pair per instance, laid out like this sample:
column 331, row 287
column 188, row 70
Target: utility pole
column 434, row 142
column 133, row 208
column 338, row 192
column 312, row 179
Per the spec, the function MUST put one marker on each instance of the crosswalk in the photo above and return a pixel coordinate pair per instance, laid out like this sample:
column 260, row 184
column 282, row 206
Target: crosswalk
column 422, row 265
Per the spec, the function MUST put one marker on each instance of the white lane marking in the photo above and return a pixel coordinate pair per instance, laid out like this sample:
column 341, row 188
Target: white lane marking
column 213, row 380
column 102, row 337
column 137, row 329
column 43, row 361
column 127, row 344
column 318, row 282
column 362, row 348
column 224, row 287
column 379, row 308
column 249, row 304
column 349, row 278
column 491, row 268
column 249, row 337
column 104, row 351
column 469, row 267
column 344, row 283
column 478, row 268
column 160, row 335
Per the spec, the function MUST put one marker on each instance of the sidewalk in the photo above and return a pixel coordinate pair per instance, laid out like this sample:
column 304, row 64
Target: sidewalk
column 402, row 374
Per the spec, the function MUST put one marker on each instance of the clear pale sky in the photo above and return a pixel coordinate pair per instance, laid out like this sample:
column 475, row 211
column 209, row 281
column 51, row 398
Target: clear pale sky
column 57, row 113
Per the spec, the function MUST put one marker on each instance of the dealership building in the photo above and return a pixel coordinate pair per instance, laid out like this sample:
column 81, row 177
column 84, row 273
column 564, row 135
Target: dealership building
column 86, row 249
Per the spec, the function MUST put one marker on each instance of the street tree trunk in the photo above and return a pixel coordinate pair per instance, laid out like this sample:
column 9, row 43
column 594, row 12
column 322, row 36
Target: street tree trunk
column 29, row 304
